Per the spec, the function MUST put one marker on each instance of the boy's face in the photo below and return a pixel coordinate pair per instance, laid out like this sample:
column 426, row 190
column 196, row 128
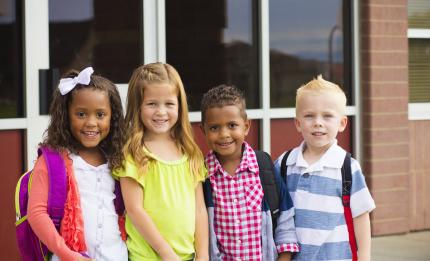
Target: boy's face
column 225, row 130
column 319, row 118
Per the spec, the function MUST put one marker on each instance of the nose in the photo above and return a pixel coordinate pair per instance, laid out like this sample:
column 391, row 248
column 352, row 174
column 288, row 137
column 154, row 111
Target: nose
column 91, row 121
column 161, row 110
column 224, row 132
column 318, row 121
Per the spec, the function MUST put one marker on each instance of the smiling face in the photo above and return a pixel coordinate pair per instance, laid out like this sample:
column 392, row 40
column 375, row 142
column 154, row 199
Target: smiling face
column 159, row 109
column 319, row 118
column 89, row 117
column 225, row 130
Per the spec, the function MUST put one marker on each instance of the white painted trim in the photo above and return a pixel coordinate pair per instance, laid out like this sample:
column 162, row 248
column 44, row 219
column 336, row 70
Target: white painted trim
column 161, row 30
column 150, row 39
column 36, row 46
column 419, row 111
column 13, row 124
column 419, row 33
column 357, row 134
column 265, row 75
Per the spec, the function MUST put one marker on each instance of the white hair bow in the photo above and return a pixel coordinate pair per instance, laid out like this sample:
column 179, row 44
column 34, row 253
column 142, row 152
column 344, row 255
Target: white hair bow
column 67, row 84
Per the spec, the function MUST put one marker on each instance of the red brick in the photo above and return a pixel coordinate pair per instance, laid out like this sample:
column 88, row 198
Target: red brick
column 394, row 211
column 384, row 43
column 388, row 151
column 385, row 2
column 380, row 167
column 392, row 105
column 387, row 90
column 384, row 136
column 386, row 58
column 394, row 196
column 386, row 120
column 385, row 12
column 385, row 75
column 384, row 28
column 386, row 227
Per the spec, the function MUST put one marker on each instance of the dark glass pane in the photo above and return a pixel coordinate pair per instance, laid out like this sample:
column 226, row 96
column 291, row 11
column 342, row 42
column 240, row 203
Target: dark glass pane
column 214, row 42
column 105, row 34
column 419, row 14
column 308, row 38
column 419, row 68
column 11, row 65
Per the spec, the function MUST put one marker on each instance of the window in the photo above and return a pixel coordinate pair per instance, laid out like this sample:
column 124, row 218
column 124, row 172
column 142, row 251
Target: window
column 212, row 43
column 11, row 65
column 104, row 34
column 419, row 59
column 308, row 38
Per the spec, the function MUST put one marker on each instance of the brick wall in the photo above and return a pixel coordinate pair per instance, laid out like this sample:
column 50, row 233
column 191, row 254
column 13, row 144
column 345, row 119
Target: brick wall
column 384, row 60
column 420, row 175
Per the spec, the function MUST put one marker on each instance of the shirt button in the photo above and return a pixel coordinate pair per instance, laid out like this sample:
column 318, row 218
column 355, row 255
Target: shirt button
column 239, row 241
column 100, row 206
column 100, row 225
column 235, row 200
column 306, row 175
column 237, row 222
column 99, row 179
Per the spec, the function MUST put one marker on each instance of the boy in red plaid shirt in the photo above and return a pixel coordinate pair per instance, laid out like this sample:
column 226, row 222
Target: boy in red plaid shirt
column 239, row 220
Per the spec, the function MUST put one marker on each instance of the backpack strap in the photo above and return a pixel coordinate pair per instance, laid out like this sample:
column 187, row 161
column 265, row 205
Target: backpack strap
column 207, row 193
column 346, row 197
column 268, row 182
column 284, row 166
column 57, row 191
column 118, row 201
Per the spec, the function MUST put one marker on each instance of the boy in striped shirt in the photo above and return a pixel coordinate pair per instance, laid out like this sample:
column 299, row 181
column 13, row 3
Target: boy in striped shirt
column 240, row 222
column 314, row 178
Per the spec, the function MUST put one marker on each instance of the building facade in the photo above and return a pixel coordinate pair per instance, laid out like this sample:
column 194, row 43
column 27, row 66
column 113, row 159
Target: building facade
column 378, row 51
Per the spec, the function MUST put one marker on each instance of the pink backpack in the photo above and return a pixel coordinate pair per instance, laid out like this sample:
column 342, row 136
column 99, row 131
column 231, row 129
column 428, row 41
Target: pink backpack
column 30, row 247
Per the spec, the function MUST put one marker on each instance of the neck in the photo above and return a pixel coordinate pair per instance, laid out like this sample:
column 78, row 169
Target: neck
column 92, row 156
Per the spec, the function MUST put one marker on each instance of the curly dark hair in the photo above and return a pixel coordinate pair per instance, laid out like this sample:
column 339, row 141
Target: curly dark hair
column 223, row 95
column 58, row 135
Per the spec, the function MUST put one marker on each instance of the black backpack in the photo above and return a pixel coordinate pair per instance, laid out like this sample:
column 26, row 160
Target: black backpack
column 268, row 182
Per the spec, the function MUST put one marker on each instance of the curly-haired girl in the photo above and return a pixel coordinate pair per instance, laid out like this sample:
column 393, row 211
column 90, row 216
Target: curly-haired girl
column 87, row 129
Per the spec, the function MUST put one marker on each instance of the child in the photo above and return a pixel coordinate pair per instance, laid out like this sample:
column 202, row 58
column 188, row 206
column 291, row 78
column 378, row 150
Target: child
column 86, row 127
column 315, row 179
column 161, row 181
column 239, row 228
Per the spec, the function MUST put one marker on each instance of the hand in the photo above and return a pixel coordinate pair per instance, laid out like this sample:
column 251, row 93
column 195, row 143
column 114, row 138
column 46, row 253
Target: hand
column 82, row 258
column 201, row 259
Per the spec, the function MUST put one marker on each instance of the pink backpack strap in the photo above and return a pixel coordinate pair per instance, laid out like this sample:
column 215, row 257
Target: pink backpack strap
column 57, row 193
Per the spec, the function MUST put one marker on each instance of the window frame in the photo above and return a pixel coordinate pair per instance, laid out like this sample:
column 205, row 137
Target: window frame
column 418, row 110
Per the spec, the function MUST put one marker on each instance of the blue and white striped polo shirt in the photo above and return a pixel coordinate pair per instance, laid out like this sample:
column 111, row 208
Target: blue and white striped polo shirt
column 316, row 193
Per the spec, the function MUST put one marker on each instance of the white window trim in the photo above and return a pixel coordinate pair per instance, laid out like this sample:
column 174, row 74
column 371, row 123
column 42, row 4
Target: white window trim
column 419, row 111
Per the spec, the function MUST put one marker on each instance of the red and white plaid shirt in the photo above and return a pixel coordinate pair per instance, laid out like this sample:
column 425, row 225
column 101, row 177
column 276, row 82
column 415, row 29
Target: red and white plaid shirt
column 237, row 207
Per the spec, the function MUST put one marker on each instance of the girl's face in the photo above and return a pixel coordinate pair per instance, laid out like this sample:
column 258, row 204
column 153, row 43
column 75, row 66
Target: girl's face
column 89, row 117
column 159, row 109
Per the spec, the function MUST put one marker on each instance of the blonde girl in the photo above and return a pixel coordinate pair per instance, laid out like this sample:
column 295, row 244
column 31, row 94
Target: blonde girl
column 161, row 178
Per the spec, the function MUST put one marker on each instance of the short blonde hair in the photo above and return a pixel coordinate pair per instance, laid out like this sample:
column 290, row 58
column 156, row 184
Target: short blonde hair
column 318, row 86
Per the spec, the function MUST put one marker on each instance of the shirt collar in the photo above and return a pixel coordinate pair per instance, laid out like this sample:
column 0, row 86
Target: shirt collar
column 247, row 163
column 332, row 158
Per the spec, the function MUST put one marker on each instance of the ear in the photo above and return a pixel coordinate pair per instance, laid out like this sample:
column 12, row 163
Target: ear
column 297, row 124
column 343, row 123
column 247, row 126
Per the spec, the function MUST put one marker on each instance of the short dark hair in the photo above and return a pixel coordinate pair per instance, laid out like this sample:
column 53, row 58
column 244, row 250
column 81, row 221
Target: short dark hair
column 223, row 95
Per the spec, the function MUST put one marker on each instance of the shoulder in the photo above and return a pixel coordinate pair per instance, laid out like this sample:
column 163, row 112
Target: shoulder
column 129, row 169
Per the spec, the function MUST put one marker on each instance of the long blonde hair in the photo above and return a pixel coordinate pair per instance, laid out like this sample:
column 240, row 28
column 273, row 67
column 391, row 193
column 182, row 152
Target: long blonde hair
column 182, row 131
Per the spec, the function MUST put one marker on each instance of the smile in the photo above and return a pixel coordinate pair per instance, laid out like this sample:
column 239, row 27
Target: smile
column 318, row 133
column 90, row 134
column 225, row 144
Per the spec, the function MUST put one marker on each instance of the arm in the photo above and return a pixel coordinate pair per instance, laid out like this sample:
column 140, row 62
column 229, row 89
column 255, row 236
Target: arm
column 202, row 228
column 132, row 193
column 39, row 219
column 362, row 235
